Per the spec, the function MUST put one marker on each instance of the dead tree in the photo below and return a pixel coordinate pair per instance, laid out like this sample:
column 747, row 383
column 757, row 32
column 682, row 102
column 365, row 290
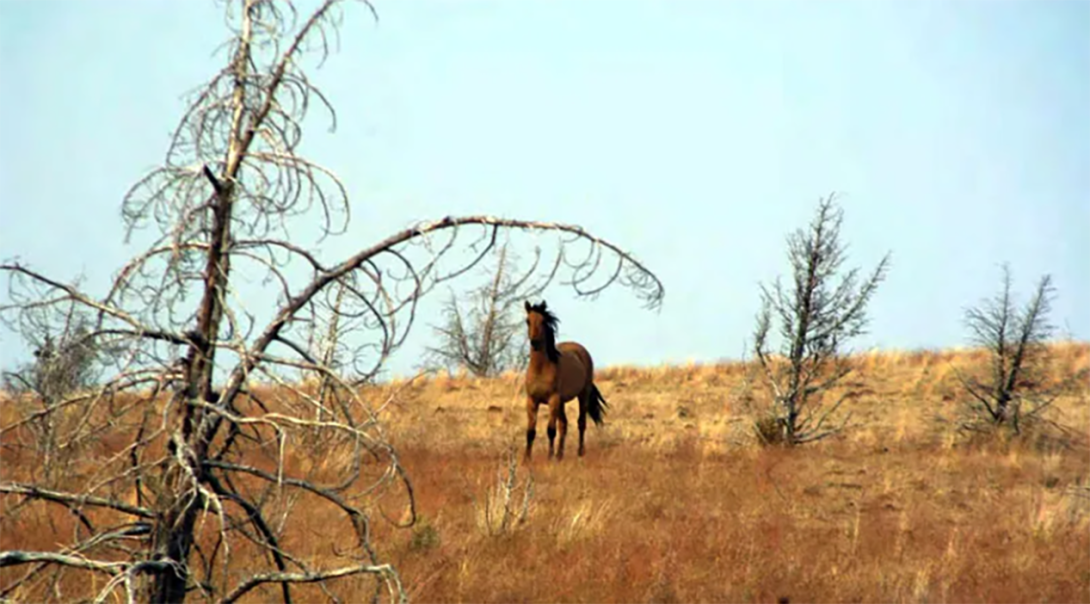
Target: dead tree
column 1014, row 388
column 482, row 334
column 817, row 315
column 192, row 491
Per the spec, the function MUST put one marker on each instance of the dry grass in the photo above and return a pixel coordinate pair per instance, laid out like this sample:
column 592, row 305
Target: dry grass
column 674, row 501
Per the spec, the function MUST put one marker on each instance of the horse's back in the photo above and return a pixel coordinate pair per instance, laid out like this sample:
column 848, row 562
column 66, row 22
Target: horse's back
column 579, row 351
column 576, row 369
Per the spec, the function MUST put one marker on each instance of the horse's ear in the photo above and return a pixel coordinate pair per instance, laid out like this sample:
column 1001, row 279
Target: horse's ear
column 543, row 305
column 526, row 305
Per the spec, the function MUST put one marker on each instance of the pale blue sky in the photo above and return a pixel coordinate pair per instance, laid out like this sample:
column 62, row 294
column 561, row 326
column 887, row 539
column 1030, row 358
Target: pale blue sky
column 695, row 133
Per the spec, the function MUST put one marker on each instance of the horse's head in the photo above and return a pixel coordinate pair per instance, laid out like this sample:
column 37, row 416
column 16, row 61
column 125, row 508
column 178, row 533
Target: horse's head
column 540, row 325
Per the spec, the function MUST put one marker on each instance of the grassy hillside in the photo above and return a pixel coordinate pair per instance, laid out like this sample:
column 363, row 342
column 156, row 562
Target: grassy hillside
column 675, row 502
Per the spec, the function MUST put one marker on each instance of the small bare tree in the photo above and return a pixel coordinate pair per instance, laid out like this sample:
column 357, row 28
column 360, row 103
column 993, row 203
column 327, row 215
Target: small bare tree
column 1014, row 388
column 482, row 334
column 64, row 360
column 194, row 493
column 65, row 363
column 817, row 316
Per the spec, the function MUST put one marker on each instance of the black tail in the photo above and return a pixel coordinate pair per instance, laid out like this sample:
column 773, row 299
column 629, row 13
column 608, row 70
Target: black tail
column 597, row 407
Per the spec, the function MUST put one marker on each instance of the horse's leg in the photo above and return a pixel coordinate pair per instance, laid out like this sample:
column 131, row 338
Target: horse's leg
column 555, row 409
column 531, row 425
column 584, row 402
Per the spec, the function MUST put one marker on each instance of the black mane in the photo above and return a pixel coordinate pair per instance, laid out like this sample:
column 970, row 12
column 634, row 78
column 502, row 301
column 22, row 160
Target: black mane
column 550, row 324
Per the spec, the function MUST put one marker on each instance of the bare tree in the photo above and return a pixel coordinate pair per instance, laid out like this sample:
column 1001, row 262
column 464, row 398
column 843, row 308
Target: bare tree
column 1014, row 387
column 482, row 334
column 207, row 398
column 65, row 363
column 817, row 314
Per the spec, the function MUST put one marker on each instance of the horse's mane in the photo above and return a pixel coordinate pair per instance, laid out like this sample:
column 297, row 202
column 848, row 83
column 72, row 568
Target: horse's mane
column 551, row 320
column 550, row 324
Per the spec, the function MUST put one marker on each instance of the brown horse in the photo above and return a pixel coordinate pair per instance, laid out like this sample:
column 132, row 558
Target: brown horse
column 556, row 374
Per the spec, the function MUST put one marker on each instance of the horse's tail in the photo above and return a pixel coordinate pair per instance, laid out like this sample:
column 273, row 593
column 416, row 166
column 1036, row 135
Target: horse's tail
column 596, row 408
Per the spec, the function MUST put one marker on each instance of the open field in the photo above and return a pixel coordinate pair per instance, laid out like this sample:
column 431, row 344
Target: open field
column 675, row 502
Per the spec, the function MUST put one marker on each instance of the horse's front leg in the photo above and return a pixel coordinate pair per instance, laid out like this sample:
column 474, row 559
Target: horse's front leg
column 531, row 426
column 555, row 410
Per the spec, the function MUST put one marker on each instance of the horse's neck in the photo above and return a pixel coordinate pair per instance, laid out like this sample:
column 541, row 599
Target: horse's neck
column 539, row 359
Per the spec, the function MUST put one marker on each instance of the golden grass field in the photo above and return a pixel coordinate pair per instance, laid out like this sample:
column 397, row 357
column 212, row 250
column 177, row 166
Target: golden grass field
column 676, row 502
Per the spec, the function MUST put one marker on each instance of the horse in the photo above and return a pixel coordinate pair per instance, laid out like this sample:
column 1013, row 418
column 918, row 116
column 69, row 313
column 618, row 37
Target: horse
column 557, row 373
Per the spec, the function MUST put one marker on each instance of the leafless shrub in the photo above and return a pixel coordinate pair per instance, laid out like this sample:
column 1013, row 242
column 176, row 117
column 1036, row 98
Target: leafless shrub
column 817, row 317
column 1013, row 389
column 213, row 382
column 504, row 508
column 483, row 334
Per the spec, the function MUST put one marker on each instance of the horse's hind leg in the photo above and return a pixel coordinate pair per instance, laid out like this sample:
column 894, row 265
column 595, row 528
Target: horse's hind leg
column 584, row 401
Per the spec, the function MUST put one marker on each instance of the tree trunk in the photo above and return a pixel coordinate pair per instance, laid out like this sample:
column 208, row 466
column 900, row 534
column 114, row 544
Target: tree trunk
column 176, row 533
column 174, row 537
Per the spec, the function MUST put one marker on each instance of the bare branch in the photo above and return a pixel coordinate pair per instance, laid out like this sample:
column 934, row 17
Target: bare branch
column 16, row 558
column 384, row 570
column 76, row 295
column 69, row 498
